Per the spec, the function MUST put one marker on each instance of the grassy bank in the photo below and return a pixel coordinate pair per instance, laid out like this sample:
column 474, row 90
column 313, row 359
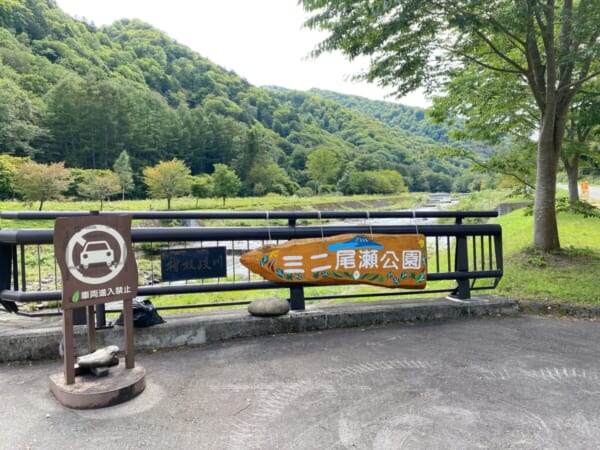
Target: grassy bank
column 268, row 203
column 568, row 276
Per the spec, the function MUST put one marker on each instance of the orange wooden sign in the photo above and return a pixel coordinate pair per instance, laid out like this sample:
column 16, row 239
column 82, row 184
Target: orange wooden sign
column 378, row 259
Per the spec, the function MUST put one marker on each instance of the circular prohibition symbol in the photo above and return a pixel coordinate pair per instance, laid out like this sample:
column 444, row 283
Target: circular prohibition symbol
column 99, row 252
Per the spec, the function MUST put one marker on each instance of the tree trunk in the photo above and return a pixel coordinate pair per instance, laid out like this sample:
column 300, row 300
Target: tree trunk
column 572, row 169
column 545, row 227
column 168, row 203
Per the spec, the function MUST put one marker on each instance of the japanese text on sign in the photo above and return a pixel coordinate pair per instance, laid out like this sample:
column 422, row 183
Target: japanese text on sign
column 195, row 263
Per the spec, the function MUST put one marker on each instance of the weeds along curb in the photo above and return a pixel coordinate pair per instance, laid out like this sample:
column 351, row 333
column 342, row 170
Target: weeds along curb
column 559, row 309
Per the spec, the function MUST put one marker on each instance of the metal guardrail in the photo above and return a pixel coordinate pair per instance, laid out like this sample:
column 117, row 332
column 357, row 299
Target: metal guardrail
column 464, row 253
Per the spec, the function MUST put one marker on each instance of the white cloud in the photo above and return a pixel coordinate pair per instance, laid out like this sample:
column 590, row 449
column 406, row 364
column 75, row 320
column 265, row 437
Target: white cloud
column 263, row 41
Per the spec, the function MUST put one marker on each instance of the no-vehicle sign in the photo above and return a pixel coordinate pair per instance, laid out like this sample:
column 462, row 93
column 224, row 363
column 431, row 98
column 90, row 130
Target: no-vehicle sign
column 96, row 259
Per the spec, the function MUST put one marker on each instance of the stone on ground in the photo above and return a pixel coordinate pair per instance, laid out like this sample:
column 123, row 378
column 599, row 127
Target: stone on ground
column 269, row 307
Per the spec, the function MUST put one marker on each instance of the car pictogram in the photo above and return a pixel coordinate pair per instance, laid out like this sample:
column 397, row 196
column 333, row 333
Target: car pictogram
column 96, row 252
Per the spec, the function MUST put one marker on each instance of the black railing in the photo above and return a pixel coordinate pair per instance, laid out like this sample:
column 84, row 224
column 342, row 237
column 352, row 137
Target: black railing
column 462, row 253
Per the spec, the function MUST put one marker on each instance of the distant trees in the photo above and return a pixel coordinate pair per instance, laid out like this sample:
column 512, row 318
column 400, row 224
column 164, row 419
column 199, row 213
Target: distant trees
column 225, row 182
column 19, row 122
column 8, row 166
column 168, row 179
column 373, row 182
column 127, row 96
column 99, row 185
column 581, row 146
column 323, row 166
column 40, row 182
column 122, row 168
column 202, row 187
column 271, row 177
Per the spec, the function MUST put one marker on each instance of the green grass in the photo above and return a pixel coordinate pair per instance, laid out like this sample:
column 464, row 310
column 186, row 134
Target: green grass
column 267, row 203
column 568, row 276
column 44, row 254
column 240, row 296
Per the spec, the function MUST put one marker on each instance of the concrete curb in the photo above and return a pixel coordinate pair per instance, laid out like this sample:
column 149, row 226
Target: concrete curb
column 559, row 309
column 210, row 327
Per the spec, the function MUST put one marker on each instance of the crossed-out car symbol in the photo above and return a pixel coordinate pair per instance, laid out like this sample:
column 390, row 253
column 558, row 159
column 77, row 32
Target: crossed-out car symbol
column 96, row 252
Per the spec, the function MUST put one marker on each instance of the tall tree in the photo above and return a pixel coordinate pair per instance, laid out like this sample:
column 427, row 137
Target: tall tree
column 122, row 168
column 225, row 182
column 323, row 166
column 40, row 182
column 202, row 186
column 550, row 46
column 501, row 112
column 168, row 179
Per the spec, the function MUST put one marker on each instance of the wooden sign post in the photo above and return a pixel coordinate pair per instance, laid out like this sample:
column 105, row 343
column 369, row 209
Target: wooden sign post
column 97, row 265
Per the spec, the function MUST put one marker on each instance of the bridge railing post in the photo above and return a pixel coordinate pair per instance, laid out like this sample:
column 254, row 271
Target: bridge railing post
column 297, row 298
column 461, row 264
column 7, row 262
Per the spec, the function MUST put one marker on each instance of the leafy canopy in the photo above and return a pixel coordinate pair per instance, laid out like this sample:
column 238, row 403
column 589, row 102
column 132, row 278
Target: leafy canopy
column 323, row 166
column 168, row 179
column 40, row 182
column 549, row 50
column 225, row 182
column 99, row 185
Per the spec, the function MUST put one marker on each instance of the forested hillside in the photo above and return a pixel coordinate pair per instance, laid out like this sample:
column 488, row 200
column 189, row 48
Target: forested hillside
column 74, row 93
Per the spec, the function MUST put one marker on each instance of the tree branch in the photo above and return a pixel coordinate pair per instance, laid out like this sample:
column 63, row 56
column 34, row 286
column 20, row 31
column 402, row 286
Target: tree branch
column 481, row 63
column 504, row 172
column 580, row 81
column 500, row 53
column 535, row 73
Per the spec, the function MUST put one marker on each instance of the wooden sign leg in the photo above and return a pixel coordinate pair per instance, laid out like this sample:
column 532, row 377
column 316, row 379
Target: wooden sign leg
column 128, row 331
column 69, row 350
column 91, row 323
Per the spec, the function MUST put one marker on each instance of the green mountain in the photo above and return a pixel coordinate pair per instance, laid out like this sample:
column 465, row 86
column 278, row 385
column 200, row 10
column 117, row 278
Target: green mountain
column 72, row 92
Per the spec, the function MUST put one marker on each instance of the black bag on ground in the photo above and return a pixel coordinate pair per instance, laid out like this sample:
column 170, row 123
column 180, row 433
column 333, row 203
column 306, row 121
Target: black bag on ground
column 144, row 314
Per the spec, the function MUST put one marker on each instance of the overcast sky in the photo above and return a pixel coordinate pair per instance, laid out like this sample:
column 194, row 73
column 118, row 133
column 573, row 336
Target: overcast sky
column 261, row 40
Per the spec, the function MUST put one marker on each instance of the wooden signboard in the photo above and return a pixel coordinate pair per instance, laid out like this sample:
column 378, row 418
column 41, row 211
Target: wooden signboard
column 97, row 266
column 96, row 259
column 377, row 259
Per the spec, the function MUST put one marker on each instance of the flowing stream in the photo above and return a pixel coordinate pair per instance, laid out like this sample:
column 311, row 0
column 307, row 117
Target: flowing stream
column 235, row 269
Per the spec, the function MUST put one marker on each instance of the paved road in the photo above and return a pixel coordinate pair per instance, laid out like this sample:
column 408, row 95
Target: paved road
column 520, row 382
column 594, row 191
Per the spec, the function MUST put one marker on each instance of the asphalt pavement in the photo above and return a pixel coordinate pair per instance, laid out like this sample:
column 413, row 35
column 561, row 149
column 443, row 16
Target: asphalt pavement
column 464, row 382
column 499, row 382
column 593, row 194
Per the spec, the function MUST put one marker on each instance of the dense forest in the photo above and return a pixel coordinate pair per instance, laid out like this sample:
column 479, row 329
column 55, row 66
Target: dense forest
column 74, row 93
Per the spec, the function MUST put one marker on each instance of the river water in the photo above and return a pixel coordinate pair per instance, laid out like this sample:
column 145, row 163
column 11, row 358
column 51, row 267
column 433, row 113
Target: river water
column 239, row 272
